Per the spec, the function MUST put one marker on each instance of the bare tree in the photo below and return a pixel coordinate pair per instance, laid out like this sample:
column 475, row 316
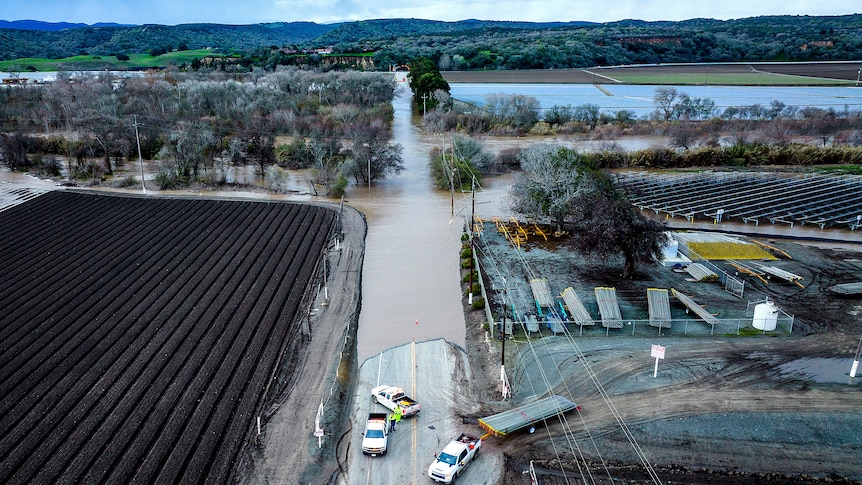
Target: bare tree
column 559, row 183
column 326, row 165
column 588, row 114
column 684, row 135
column 13, row 151
column 191, row 143
column 551, row 178
column 665, row 99
column 372, row 156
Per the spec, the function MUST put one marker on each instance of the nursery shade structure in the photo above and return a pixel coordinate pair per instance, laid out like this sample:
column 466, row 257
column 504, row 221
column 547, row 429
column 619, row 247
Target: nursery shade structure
column 506, row 422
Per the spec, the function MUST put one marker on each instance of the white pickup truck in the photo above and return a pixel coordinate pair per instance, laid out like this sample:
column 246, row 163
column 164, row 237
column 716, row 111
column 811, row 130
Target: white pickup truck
column 454, row 458
column 376, row 436
column 394, row 396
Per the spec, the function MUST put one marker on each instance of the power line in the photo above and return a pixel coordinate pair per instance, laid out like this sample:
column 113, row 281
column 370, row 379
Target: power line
column 573, row 444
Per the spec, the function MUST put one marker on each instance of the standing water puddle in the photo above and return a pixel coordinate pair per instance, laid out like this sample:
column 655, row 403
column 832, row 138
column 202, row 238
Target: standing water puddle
column 820, row 369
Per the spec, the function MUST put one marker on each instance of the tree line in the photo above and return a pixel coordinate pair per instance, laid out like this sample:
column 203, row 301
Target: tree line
column 199, row 127
column 689, row 121
column 471, row 45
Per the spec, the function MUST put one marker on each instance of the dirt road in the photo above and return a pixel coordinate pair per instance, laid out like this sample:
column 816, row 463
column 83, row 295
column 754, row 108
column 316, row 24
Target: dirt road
column 287, row 450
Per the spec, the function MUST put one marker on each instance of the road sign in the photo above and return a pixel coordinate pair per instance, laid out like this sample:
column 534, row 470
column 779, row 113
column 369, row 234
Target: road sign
column 657, row 352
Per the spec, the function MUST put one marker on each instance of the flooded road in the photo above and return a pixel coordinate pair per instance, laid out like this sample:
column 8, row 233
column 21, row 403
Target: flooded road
column 410, row 280
column 410, row 277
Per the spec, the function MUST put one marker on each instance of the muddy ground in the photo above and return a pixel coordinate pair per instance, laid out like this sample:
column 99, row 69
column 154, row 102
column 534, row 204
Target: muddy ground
column 722, row 408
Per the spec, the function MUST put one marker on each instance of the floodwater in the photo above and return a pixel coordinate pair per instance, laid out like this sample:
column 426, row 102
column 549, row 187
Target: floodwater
column 410, row 277
column 411, row 280
column 611, row 98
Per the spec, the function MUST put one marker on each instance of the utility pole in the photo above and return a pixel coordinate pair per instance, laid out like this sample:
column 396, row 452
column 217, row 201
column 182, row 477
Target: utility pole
column 472, row 257
column 504, row 380
column 473, row 204
column 452, row 185
column 856, row 359
column 503, row 333
column 140, row 159
column 470, row 236
column 424, row 97
column 368, row 154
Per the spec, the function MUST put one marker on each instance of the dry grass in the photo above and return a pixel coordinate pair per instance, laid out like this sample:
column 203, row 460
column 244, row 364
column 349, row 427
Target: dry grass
column 729, row 250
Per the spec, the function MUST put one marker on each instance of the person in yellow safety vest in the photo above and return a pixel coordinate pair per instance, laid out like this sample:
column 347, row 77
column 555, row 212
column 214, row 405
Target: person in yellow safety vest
column 395, row 418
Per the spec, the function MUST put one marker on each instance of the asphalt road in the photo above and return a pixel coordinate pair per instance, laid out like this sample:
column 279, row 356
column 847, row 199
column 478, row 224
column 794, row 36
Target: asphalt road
column 437, row 375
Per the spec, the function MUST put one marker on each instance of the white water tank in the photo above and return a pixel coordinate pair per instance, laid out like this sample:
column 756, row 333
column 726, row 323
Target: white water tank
column 765, row 316
column 671, row 247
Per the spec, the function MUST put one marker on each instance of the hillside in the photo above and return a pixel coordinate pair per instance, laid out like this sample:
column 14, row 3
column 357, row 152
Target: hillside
column 470, row 44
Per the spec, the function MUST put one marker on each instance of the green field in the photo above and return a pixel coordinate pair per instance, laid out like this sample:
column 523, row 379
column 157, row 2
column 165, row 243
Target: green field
column 100, row 63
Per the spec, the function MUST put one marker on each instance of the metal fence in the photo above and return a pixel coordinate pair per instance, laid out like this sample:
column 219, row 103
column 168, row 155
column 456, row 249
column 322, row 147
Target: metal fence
column 678, row 327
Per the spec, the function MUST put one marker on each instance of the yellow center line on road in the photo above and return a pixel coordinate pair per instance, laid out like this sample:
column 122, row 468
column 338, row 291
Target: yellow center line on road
column 415, row 416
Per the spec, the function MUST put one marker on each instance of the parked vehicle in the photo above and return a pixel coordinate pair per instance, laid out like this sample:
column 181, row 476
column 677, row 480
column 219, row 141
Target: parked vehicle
column 394, row 396
column 376, row 437
column 454, row 458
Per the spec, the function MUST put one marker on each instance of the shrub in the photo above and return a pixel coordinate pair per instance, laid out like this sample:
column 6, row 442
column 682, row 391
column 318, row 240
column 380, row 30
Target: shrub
column 338, row 187
column 130, row 181
column 167, row 180
column 277, row 179
column 478, row 303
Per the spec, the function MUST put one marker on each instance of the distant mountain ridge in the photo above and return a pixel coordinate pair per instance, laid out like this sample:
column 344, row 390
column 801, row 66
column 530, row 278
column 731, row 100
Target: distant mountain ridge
column 31, row 38
column 52, row 26
column 461, row 45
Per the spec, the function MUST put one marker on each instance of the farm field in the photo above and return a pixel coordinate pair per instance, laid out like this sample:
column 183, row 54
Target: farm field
column 766, row 74
column 139, row 335
column 101, row 63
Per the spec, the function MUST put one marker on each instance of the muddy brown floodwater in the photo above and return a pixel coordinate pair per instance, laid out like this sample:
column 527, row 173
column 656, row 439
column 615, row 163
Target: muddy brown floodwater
column 410, row 288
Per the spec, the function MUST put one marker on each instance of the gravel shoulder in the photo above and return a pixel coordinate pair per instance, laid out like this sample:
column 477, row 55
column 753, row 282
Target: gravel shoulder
column 287, row 450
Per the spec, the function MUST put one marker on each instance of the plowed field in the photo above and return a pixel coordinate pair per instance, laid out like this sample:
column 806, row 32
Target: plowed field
column 138, row 335
column 661, row 74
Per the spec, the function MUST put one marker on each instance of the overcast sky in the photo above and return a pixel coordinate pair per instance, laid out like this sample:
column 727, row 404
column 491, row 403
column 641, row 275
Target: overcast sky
column 172, row 12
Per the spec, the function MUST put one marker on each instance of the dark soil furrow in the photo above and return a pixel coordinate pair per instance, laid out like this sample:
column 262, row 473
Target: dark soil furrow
column 112, row 396
column 153, row 322
column 176, row 348
column 207, row 381
column 112, row 254
column 185, row 375
column 67, row 401
column 62, row 347
column 58, row 256
column 243, row 399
